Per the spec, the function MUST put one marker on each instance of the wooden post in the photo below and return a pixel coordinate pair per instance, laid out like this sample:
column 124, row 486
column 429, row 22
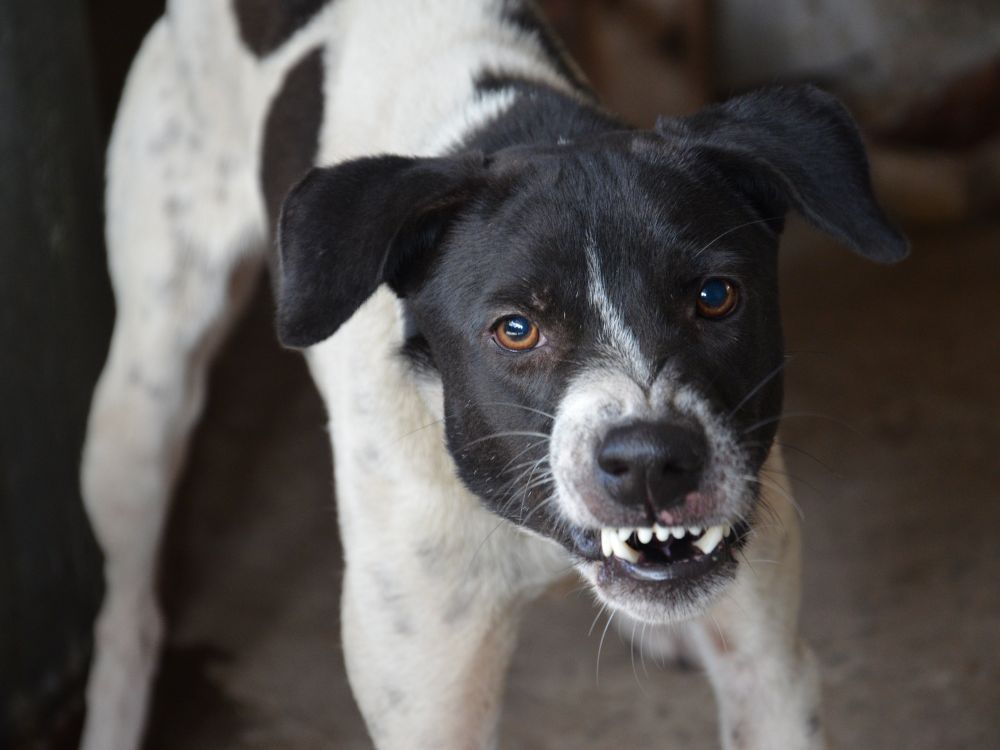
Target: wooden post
column 55, row 319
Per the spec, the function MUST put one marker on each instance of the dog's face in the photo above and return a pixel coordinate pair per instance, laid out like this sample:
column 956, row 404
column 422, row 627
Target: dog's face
column 602, row 316
column 596, row 318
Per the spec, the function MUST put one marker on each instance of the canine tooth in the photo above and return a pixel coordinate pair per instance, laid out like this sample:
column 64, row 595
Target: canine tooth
column 662, row 532
column 677, row 532
column 645, row 535
column 726, row 530
column 606, row 535
column 624, row 534
column 623, row 551
column 710, row 540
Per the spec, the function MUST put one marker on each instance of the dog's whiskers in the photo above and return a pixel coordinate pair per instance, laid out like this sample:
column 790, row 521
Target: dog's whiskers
column 509, row 433
column 418, row 429
column 774, row 486
column 788, row 446
column 600, row 645
column 507, row 466
column 537, row 508
column 600, row 612
column 796, row 414
column 799, row 480
column 520, row 406
column 764, row 381
column 783, row 445
column 635, row 673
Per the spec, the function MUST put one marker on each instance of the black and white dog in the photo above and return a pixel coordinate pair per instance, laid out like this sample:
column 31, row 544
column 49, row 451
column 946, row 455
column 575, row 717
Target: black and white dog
column 544, row 339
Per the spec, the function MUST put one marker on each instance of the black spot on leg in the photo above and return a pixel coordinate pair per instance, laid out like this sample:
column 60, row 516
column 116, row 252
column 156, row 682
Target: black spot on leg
column 291, row 131
column 138, row 380
column 736, row 735
column 168, row 136
column 814, row 724
column 267, row 24
column 393, row 602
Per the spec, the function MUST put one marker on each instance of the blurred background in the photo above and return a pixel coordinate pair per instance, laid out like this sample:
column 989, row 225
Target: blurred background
column 893, row 395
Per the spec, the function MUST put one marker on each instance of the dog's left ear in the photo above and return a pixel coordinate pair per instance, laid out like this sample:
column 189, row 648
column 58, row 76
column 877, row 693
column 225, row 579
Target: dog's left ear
column 344, row 230
column 796, row 147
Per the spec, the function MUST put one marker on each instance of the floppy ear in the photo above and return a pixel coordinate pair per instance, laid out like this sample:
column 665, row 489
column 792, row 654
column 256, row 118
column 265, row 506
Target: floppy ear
column 797, row 147
column 344, row 230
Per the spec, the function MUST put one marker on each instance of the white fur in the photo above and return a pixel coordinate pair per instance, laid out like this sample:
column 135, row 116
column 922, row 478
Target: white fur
column 426, row 643
column 605, row 396
column 620, row 340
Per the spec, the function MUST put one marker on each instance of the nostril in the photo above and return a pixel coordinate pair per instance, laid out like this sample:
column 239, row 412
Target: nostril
column 666, row 469
column 615, row 468
column 616, row 458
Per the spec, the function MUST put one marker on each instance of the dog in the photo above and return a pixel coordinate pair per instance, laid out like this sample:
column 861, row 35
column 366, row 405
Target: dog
column 546, row 340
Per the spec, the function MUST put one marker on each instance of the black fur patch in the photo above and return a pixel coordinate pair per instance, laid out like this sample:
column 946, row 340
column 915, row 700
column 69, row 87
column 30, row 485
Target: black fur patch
column 267, row 24
column 291, row 132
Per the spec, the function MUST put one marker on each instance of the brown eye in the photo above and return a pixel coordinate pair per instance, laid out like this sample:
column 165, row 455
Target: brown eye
column 517, row 333
column 717, row 298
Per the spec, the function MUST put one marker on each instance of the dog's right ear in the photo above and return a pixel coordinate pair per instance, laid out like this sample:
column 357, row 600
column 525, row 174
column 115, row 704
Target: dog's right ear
column 344, row 230
column 796, row 147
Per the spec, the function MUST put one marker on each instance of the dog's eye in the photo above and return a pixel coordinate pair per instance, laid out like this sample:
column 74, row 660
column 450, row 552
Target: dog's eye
column 516, row 333
column 717, row 298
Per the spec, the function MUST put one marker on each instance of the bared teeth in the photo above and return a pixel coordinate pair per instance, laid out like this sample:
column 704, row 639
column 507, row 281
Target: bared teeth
column 606, row 547
column 710, row 539
column 614, row 541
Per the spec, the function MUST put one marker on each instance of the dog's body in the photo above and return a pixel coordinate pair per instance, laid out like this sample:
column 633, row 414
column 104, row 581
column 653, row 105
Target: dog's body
column 228, row 104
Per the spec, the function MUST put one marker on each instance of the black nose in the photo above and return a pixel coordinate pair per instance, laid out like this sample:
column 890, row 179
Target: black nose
column 651, row 463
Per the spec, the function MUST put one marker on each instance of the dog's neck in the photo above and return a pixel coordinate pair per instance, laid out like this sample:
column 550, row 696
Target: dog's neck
column 539, row 115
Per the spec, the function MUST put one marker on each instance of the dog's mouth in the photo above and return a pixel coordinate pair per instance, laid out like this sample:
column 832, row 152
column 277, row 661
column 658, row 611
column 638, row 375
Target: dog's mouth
column 666, row 553
column 662, row 557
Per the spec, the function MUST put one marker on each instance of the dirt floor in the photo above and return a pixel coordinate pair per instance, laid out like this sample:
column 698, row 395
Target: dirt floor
column 898, row 481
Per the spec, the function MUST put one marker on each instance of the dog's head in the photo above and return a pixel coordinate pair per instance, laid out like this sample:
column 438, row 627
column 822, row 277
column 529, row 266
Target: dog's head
column 602, row 315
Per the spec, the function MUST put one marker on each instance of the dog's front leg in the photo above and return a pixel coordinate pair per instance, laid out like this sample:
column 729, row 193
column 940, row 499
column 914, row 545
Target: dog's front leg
column 765, row 678
column 429, row 619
